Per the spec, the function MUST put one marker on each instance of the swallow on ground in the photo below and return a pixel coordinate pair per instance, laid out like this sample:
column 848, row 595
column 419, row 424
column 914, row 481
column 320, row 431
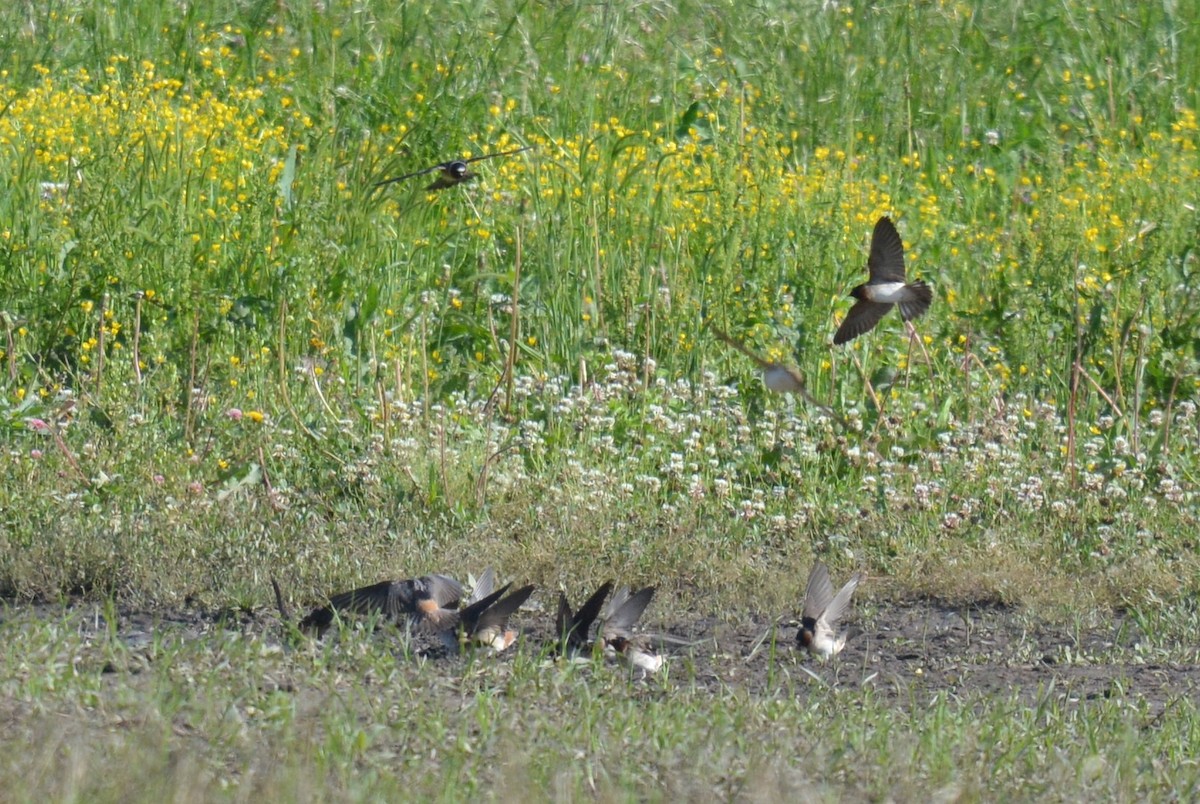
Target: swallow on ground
column 451, row 173
column 573, row 627
column 822, row 611
column 429, row 600
column 486, row 624
column 484, row 620
column 616, row 631
column 777, row 377
column 885, row 286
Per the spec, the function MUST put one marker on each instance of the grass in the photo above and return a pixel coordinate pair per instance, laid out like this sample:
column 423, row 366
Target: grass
column 224, row 357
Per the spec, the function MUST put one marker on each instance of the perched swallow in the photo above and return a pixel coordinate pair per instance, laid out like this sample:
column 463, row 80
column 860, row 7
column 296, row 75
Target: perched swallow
column 777, row 377
column 485, row 621
column 616, row 632
column 822, row 610
column 429, row 600
column 885, row 286
column 453, row 172
column 573, row 627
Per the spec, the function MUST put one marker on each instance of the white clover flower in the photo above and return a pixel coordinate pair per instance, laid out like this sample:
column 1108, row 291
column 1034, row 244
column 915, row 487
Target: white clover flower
column 650, row 483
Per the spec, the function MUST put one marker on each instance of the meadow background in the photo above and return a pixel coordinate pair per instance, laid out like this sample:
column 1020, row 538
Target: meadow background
column 225, row 356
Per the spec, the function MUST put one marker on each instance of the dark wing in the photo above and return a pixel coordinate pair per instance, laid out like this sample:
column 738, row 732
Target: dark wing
column 574, row 628
column 590, row 610
column 469, row 617
column 818, row 593
column 863, row 317
column 564, row 620
column 922, row 297
column 496, row 615
column 498, row 153
column 886, row 263
column 620, row 623
column 414, row 174
column 381, row 597
column 317, row 620
column 385, row 597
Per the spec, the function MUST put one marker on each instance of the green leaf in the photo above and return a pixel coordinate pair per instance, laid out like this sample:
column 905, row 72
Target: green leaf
column 287, row 178
column 687, row 120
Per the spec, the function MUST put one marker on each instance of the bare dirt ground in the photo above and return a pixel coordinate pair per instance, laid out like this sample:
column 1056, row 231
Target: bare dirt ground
column 909, row 651
column 906, row 651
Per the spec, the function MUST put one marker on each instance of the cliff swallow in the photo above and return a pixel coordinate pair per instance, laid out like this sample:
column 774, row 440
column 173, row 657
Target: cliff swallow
column 428, row 600
column 616, row 631
column 885, row 286
column 822, row 611
column 778, row 377
column 451, row 173
column 484, row 622
column 573, row 627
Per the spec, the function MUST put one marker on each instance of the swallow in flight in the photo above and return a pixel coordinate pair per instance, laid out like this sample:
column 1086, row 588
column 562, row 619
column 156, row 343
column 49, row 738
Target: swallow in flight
column 885, row 286
column 778, row 377
column 449, row 173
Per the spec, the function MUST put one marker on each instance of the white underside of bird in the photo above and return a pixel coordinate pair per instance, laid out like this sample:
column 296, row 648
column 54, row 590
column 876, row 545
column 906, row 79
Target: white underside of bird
column 825, row 642
column 780, row 380
column 499, row 642
column 643, row 660
column 890, row 292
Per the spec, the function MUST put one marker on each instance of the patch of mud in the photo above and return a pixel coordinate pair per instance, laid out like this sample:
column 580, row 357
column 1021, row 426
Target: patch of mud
column 913, row 651
column 908, row 652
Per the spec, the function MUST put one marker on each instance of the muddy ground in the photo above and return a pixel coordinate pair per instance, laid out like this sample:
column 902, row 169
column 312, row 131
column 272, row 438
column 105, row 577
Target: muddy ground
column 907, row 651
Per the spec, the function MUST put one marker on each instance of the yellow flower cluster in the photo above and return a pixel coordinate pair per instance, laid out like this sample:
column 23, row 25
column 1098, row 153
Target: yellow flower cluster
column 721, row 199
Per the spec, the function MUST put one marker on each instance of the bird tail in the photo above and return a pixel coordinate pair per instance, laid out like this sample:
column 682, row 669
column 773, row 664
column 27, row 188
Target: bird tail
column 918, row 305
